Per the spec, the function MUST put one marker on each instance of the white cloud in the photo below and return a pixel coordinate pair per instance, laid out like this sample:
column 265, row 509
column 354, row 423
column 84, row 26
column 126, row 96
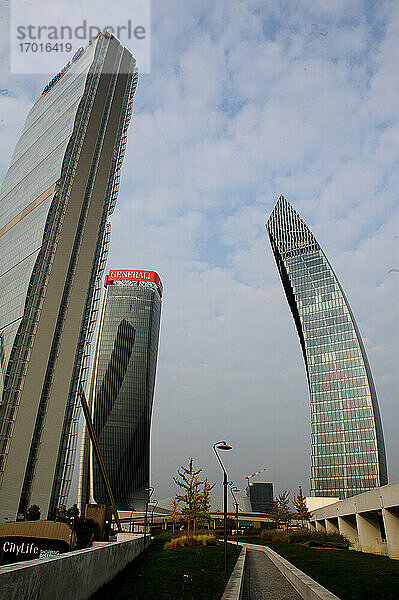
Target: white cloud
column 384, row 84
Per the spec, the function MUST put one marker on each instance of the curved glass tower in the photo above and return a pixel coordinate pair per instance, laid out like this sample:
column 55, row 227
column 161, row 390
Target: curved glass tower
column 121, row 389
column 348, row 453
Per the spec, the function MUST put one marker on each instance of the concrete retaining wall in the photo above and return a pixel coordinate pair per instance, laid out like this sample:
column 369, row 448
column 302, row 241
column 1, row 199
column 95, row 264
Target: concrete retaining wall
column 235, row 587
column 71, row 576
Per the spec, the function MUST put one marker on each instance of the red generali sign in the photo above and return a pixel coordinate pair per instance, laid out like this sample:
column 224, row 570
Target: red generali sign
column 128, row 275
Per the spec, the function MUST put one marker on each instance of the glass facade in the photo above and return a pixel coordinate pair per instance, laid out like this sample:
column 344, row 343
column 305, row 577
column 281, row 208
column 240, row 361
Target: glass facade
column 28, row 191
column 261, row 496
column 123, row 387
column 348, row 453
column 54, row 207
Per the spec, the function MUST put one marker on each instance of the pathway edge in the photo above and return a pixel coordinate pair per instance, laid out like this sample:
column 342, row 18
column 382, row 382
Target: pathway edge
column 235, row 586
column 306, row 587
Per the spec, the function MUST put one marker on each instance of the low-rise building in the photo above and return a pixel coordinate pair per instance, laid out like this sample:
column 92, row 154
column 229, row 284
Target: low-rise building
column 370, row 520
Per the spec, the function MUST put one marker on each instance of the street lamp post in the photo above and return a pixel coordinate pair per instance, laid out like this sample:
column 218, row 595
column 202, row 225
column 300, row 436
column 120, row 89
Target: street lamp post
column 150, row 492
column 223, row 446
column 131, row 520
column 152, row 513
column 234, row 489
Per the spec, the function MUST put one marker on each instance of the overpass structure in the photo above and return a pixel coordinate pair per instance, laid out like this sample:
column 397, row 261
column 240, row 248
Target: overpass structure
column 244, row 516
column 139, row 518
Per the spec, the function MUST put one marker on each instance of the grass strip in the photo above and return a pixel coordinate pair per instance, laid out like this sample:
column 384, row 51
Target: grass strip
column 179, row 574
column 348, row 574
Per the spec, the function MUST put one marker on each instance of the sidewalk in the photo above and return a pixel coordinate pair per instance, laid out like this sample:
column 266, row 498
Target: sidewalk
column 263, row 581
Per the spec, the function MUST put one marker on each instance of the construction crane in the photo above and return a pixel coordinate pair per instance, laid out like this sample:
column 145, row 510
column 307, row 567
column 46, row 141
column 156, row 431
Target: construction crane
column 248, row 477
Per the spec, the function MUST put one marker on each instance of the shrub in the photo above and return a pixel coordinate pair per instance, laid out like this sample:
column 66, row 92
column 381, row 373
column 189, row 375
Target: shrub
column 274, row 536
column 328, row 539
column 167, row 535
column 299, row 536
column 281, row 538
column 312, row 538
column 186, row 541
column 199, row 531
column 164, row 536
column 267, row 535
column 252, row 532
column 86, row 531
column 32, row 513
column 202, row 531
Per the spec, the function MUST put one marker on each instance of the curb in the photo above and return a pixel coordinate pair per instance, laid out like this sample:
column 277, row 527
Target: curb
column 306, row 587
column 235, row 586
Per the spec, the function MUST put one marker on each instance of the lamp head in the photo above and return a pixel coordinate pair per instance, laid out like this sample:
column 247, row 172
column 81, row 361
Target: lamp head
column 224, row 446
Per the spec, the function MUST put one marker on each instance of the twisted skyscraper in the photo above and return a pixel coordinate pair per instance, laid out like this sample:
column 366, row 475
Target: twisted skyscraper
column 348, row 453
column 121, row 389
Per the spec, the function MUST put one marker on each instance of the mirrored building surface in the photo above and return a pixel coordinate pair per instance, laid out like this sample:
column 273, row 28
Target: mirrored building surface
column 348, row 453
column 55, row 200
column 121, row 389
column 260, row 495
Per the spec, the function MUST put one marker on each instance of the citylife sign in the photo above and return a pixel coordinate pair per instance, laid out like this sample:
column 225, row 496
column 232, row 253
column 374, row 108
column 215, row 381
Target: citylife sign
column 41, row 41
column 20, row 549
column 127, row 275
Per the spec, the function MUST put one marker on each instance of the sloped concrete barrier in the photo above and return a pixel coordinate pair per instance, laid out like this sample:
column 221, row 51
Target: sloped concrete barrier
column 70, row 576
column 235, row 587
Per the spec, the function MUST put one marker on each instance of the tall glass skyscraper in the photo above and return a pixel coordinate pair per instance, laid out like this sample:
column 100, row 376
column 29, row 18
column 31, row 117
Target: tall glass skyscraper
column 348, row 453
column 55, row 200
column 121, row 389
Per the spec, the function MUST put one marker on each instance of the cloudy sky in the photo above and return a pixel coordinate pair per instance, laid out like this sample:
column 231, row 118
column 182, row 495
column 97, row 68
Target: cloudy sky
column 245, row 101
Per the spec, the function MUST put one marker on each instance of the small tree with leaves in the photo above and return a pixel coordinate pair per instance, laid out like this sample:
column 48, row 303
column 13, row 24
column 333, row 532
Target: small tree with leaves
column 204, row 515
column 32, row 513
column 300, row 504
column 284, row 502
column 276, row 513
column 191, row 497
column 174, row 515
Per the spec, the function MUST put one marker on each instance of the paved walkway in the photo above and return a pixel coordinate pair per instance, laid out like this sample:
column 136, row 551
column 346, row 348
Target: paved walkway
column 263, row 581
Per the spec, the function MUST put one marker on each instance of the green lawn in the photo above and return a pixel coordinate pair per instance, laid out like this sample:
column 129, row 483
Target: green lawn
column 348, row 574
column 181, row 574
